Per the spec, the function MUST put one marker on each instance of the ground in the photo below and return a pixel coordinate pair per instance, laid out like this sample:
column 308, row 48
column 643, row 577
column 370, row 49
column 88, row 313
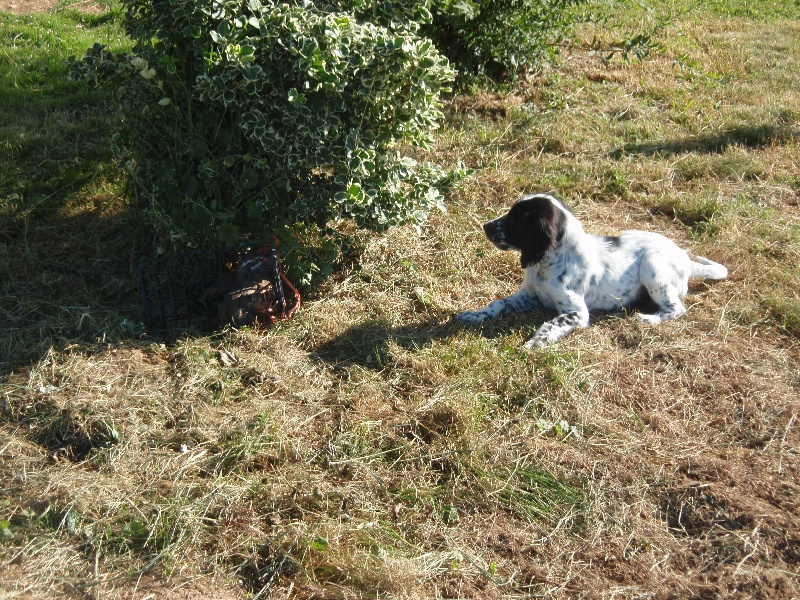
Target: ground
column 22, row 7
column 371, row 447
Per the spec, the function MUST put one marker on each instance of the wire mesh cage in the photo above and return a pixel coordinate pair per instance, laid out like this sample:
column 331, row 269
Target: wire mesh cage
column 209, row 288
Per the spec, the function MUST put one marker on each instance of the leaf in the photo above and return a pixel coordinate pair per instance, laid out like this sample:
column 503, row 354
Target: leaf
column 355, row 192
column 5, row 529
column 253, row 87
column 228, row 234
column 296, row 97
column 319, row 544
column 283, row 92
column 247, row 53
column 226, row 359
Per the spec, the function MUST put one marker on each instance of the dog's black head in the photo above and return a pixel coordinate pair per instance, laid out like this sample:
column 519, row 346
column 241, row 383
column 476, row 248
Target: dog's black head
column 534, row 226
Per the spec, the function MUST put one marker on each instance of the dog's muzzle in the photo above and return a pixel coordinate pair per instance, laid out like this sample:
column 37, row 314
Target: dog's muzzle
column 496, row 233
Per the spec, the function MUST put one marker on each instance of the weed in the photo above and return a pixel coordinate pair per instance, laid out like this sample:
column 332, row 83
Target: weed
column 538, row 495
column 785, row 312
column 237, row 450
column 614, row 184
column 700, row 214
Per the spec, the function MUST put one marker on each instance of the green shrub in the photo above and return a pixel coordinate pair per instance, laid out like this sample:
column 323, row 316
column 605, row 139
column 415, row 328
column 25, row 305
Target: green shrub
column 499, row 38
column 245, row 117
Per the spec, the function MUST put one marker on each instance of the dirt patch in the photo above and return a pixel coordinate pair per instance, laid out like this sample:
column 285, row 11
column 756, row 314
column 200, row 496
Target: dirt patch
column 176, row 589
column 26, row 7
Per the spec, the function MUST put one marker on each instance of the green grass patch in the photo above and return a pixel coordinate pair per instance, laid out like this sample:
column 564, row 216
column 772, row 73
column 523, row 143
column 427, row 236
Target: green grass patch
column 785, row 312
column 54, row 133
column 701, row 214
column 537, row 494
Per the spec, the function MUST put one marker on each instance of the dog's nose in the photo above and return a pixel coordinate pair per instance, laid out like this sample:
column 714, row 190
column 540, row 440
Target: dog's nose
column 490, row 229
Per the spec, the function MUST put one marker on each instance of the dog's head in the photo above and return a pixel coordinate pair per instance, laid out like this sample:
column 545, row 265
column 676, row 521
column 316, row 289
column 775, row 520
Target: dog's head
column 533, row 226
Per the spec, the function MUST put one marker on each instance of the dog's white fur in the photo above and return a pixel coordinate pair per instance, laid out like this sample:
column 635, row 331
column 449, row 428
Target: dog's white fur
column 572, row 272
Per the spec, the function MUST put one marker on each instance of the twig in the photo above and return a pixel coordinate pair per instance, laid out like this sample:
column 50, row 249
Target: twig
column 783, row 443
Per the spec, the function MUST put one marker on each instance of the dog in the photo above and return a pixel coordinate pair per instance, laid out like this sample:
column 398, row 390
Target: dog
column 572, row 272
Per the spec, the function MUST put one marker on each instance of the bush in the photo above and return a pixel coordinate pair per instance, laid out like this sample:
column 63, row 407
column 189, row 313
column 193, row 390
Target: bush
column 499, row 38
column 241, row 118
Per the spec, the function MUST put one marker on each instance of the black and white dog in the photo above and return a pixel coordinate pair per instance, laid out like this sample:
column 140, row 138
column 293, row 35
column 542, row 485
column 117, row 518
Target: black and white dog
column 572, row 272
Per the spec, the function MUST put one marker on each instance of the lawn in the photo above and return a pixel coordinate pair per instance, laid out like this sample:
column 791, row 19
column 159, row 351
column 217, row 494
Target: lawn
column 371, row 447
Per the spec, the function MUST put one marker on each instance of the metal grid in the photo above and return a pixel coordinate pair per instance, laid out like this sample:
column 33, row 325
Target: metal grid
column 186, row 290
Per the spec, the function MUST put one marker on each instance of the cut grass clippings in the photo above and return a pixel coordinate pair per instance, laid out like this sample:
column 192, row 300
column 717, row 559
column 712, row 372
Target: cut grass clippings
column 371, row 447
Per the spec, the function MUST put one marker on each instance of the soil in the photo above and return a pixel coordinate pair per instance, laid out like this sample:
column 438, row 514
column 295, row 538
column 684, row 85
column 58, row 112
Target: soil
column 26, row 7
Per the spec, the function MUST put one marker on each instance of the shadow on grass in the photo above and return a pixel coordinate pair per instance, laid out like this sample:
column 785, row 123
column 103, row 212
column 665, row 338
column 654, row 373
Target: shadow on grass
column 66, row 281
column 755, row 136
column 368, row 344
column 53, row 144
column 65, row 237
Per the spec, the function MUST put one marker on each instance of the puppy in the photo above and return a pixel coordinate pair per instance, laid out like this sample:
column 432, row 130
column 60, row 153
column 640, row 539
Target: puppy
column 572, row 272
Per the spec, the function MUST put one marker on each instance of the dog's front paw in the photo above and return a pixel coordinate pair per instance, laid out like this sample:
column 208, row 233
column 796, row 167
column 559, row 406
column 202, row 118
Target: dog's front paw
column 471, row 317
column 651, row 319
column 536, row 342
column 546, row 334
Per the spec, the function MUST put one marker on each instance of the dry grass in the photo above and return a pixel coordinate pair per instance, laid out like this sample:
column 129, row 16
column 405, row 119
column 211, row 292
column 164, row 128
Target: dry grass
column 371, row 448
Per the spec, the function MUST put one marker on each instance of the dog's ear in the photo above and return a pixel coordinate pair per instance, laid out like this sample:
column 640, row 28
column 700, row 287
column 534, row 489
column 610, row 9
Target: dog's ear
column 543, row 229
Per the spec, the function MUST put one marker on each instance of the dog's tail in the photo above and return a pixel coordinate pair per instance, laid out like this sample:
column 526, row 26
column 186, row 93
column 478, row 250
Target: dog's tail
column 708, row 269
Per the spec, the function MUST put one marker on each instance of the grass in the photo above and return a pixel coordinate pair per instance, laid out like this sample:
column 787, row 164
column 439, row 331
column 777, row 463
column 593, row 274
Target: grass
column 372, row 448
column 56, row 174
column 50, row 130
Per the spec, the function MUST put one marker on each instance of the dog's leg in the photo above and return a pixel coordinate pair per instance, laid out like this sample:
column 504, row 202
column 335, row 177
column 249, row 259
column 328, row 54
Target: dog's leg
column 665, row 283
column 573, row 313
column 671, row 308
column 521, row 301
